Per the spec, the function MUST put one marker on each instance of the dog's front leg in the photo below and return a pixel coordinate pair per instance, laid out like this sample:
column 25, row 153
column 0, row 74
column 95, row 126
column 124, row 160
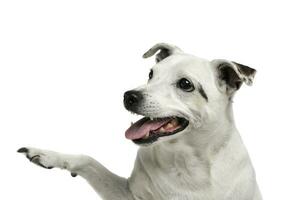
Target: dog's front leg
column 108, row 185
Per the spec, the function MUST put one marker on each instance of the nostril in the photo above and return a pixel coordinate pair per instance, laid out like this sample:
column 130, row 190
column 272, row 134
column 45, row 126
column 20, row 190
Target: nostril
column 132, row 98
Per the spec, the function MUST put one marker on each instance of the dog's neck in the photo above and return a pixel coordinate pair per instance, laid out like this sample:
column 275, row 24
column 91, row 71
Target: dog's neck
column 196, row 157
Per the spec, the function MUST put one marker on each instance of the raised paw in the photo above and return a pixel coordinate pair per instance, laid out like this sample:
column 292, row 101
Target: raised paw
column 42, row 158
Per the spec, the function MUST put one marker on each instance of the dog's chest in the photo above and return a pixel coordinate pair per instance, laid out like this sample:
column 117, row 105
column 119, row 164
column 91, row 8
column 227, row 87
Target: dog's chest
column 175, row 177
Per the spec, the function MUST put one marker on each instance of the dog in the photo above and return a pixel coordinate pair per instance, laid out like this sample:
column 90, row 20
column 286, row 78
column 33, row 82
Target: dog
column 189, row 149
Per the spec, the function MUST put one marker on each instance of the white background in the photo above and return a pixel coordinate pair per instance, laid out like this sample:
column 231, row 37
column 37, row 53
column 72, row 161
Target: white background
column 64, row 66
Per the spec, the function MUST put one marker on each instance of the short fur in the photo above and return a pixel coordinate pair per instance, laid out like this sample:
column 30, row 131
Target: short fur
column 205, row 161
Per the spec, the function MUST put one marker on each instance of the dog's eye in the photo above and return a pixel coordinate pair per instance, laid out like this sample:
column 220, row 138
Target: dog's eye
column 185, row 85
column 150, row 75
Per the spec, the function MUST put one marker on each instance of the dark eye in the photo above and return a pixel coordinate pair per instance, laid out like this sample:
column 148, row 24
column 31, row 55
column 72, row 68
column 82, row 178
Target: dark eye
column 185, row 85
column 150, row 75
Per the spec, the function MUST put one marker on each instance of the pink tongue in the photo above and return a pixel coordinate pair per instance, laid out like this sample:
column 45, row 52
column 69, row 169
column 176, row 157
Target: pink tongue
column 140, row 128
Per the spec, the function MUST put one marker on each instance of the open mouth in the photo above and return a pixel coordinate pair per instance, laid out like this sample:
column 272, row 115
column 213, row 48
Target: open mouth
column 147, row 130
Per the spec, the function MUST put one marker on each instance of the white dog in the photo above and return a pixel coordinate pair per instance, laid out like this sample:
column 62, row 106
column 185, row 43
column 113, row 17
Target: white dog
column 190, row 147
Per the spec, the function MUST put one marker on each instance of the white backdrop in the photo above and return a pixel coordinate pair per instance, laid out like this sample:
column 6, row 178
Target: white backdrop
column 64, row 66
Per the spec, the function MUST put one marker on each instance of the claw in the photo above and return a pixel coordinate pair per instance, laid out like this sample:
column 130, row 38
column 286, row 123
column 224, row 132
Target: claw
column 22, row 150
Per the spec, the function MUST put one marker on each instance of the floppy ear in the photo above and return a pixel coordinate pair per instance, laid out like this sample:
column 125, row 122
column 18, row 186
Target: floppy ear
column 232, row 74
column 165, row 51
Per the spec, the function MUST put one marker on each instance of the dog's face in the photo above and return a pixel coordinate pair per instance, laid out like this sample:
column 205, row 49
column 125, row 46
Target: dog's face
column 183, row 93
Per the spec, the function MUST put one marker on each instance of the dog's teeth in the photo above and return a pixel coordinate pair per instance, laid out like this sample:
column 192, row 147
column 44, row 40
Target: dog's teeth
column 168, row 126
column 174, row 122
column 146, row 136
column 162, row 129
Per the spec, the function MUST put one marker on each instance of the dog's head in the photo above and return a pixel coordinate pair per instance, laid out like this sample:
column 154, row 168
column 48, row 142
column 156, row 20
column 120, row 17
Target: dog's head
column 183, row 93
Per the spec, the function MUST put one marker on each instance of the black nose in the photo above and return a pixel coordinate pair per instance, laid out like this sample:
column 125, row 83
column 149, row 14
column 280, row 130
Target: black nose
column 132, row 99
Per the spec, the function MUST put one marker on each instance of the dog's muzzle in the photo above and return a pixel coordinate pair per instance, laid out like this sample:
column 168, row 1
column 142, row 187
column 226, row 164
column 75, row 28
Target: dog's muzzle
column 132, row 100
column 148, row 129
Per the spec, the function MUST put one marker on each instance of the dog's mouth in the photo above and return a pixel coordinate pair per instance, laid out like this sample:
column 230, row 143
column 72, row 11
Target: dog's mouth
column 148, row 130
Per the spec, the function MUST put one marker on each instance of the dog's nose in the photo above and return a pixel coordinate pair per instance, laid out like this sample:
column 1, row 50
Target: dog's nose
column 132, row 99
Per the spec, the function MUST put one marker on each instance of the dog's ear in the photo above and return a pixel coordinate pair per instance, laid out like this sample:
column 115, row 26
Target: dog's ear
column 165, row 51
column 232, row 74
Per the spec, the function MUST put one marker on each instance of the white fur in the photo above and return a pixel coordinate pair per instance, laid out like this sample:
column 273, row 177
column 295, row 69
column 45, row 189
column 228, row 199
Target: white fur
column 206, row 161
